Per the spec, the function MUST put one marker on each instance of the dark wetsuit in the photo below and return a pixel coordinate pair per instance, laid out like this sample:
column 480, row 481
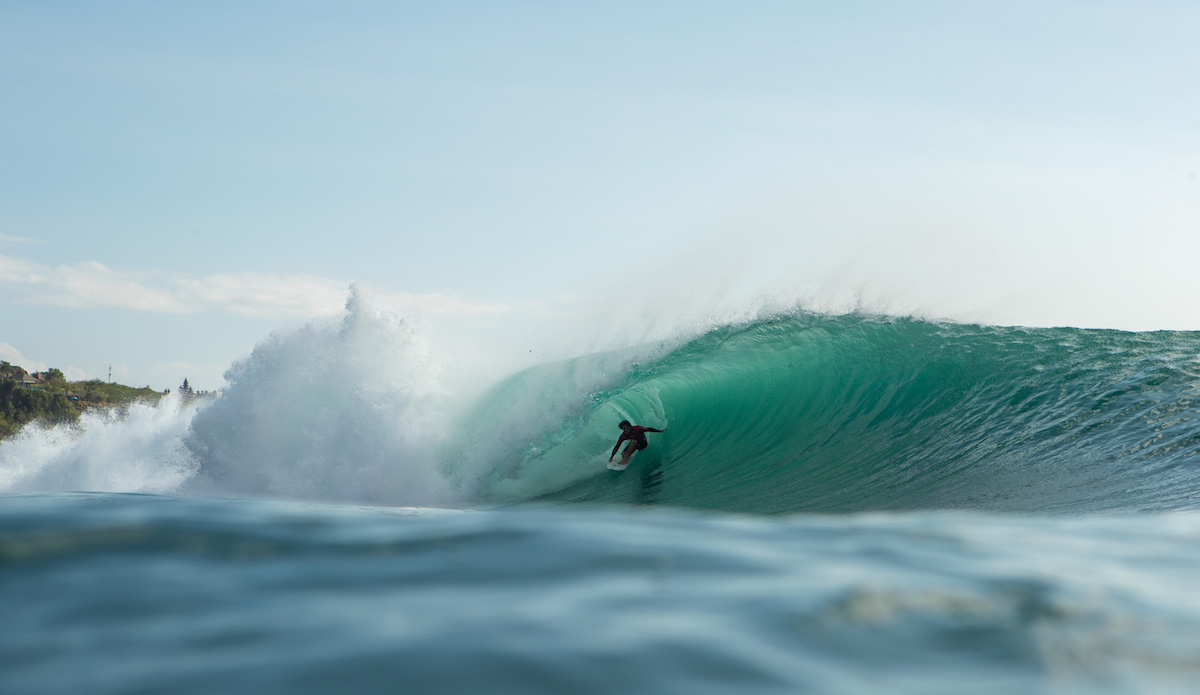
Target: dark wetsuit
column 638, row 435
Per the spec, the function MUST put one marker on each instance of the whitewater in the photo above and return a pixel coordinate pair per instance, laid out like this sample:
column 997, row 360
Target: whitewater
column 841, row 502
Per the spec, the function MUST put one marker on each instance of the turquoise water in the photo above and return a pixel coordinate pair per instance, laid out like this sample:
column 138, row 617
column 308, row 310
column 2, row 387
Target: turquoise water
column 848, row 504
column 846, row 414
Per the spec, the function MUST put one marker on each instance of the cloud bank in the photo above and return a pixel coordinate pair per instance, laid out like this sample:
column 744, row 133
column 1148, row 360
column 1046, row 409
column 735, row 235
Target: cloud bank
column 90, row 285
column 17, row 240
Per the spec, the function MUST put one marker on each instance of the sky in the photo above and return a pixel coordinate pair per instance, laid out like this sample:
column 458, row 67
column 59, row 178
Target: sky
column 180, row 180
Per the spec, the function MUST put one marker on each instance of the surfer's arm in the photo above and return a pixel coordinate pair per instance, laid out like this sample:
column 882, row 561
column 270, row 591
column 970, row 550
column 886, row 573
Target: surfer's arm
column 651, row 429
column 619, row 439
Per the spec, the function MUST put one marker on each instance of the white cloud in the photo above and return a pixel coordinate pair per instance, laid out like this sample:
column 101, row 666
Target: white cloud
column 91, row 285
column 76, row 374
column 17, row 240
column 264, row 294
column 17, row 271
column 12, row 355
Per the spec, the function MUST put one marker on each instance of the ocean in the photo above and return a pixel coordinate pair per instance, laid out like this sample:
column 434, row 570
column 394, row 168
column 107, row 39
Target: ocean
column 838, row 504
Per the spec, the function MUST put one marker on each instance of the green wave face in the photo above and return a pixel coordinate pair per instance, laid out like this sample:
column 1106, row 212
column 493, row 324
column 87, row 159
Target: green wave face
column 852, row 413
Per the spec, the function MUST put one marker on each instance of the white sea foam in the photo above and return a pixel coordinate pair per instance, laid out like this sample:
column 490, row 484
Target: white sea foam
column 138, row 448
column 341, row 410
column 348, row 410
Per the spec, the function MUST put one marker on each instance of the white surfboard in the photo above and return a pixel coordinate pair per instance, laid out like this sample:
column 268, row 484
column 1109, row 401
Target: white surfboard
column 616, row 466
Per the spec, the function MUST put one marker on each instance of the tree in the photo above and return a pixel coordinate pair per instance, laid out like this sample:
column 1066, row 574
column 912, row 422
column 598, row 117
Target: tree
column 55, row 378
column 20, row 405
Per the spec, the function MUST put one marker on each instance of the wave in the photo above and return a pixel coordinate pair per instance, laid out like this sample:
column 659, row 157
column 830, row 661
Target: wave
column 800, row 412
column 808, row 413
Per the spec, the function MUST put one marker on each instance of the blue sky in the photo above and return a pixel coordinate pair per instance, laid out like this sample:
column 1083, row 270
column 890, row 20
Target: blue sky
column 177, row 180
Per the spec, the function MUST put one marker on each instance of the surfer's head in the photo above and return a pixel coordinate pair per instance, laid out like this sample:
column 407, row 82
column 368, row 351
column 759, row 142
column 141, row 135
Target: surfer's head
column 623, row 424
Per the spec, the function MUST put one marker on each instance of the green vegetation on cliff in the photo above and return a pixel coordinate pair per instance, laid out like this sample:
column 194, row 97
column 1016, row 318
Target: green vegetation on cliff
column 96, row 392
column 49, row 397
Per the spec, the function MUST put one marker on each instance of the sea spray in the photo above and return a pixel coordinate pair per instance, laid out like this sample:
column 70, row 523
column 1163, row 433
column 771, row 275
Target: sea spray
column 135, row 448
column 350, row 410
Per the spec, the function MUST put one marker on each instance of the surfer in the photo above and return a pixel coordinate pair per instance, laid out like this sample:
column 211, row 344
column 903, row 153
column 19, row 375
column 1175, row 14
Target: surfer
column 637, row 441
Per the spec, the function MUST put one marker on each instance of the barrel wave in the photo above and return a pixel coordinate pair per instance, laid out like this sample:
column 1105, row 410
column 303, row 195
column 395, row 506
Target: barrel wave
column 809, row 413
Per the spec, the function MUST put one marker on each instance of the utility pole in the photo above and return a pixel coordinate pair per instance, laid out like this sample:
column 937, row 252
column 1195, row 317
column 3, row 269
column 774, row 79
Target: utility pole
column 110, row 373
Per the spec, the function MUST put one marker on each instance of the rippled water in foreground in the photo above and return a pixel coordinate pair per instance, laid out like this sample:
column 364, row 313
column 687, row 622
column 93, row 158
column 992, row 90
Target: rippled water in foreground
column 117, row 593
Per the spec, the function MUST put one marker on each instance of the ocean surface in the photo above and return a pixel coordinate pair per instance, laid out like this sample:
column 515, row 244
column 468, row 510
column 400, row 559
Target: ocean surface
column 839, row 504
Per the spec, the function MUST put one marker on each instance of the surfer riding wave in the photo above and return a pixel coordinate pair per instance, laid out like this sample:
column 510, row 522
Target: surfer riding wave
column 636, row 435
